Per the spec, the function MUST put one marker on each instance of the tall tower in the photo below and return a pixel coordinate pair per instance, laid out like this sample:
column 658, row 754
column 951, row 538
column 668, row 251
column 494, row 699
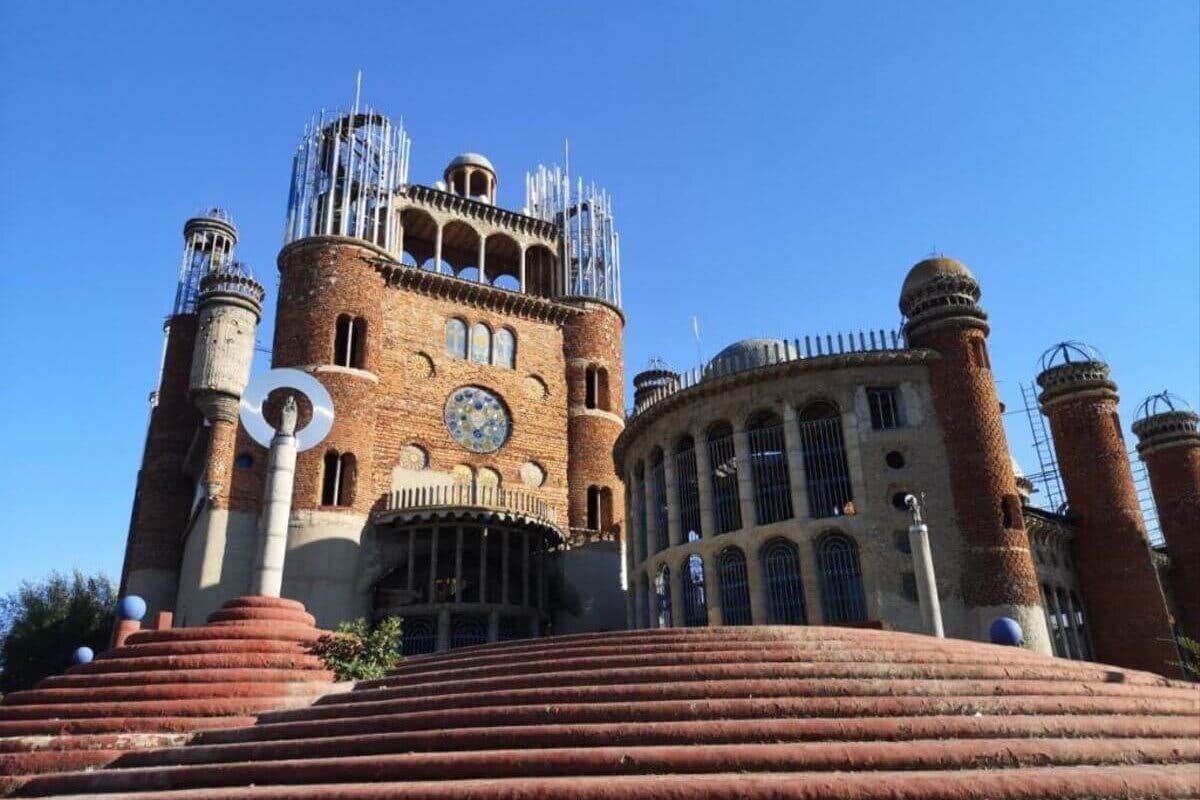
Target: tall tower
column 1169, row 442
column 1124, row 600
column 164, row 496
column 940, row 300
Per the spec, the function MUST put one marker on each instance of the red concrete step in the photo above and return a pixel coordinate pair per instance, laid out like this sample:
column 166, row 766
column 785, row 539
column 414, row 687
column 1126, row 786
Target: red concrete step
column 199, row 676
column 244, row 613
column 165, row 691
column 258, row 601
column 205, row 707
column 984, row 754
column 184, row 648
column 214, row 659
column 254, row 629
column 103, row 741
column 165, row 724
column 1163, row 782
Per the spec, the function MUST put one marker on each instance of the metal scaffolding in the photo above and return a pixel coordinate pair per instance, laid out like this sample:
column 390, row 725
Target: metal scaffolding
column 209, row 239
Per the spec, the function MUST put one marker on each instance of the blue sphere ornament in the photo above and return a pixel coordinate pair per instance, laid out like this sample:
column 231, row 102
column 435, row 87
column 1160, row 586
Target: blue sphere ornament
column 82, row 655
column 131, row 607
column 1006, row 631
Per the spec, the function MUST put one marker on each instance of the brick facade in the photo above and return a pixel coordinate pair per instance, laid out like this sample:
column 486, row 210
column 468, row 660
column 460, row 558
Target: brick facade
column 1175, row 481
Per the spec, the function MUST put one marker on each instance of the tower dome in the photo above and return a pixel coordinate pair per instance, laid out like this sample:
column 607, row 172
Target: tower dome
column 472, row 175
column 747, row 354
column 932, row 269
column 1165, row 419
column 1070, row 366
column 938, row 289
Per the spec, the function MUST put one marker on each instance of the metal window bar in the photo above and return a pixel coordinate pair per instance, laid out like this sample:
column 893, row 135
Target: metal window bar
column 662, row 590
column 841, row 579
column 689, row 494
column 658, row 497
column 735, row 587
column 784, row 588
column 419, row 637
column 772, row 485
column 695, row 609
column 1085, row 641
column 467, row 632
column 885, row 408
column 645, row 593
column 1056, row 640
column 727, row 504
column 827, row 474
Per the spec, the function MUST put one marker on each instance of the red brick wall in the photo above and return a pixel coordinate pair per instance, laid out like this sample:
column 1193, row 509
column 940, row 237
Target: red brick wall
column 997, row 567
column 1124, row 602
column 163, row 497
column 1175, row 481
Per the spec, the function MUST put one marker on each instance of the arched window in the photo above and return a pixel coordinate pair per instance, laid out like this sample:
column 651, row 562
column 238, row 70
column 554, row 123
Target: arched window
column 735, row 587
column 593, row 508
column 419, row 637
column 640, row 498
column 337, row 479
column 841, row 579
column 349, row 342
column 481, row 343
column 689, row 489
column 504, row 351
column 456, row 338
column 826, row 472
column 785, row 592
column 662, row 593
column 769, row 467
column 644, row 592
column 467, row 631
column 596, row 387
column 658, row 499
column 691, row 576
column 727, row 503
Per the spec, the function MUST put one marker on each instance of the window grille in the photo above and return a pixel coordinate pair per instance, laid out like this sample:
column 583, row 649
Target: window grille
column 689, row 490
column 884, row 403
column 419, row 636
column 727, row 510
column 695, row 610
column 827, row 475
column 662, row 591
column 841, row 579
column 467, row 632
column 1081, row 627
column 735, row 587
column 644, row 592
column 1058, row 643
column 785, row 591
column 658, row 500
column 769, row 468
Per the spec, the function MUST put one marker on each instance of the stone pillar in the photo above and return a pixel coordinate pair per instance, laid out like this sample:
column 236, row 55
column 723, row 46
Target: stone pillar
column 712, row 591
column 1125, row 604
column 267, row 579
column 504, row 567
column 745, row 474
column 493, row 632
column 443, row 630
column 795, row 461
column 674, row 525
column 458, row 554
column 708, row 525
column 1169, row 444
column 651, row 513
column 927, row 593
column 433, row 563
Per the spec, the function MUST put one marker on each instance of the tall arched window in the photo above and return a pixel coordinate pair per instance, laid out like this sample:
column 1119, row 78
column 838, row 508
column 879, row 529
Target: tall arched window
column 658, row 499
column 349, row 342
column 662, row 593
column 599, row 508
column 467, row 632
column 826, row 472
column 691, row 578
column 785, row 592
column 727, row 504
column 639, row 490
column 841, row 579
column 735, row 587
column 595, row 380
column 337, row 479
column 456, row 338
column 504, row 350
column 481, row 343
column 689, row 489
column 644, row 592
column 769, row 467
column 419, row 637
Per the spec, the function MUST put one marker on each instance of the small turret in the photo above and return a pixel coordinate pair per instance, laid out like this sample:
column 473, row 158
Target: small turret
column 209, row 238
column 654, row 382
column 472, row 175
column 230, row 307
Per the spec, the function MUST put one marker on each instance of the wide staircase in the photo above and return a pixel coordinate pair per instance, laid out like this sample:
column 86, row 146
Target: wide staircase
column 160, row 687
column 759, row 712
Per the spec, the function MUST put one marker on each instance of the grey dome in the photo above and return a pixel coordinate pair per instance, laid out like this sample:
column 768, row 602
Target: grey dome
column 931, row 268
column 471, row 160
column 747, row 354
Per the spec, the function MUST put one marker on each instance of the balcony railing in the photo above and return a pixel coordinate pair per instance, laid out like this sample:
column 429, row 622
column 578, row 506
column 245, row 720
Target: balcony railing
column 463, row 495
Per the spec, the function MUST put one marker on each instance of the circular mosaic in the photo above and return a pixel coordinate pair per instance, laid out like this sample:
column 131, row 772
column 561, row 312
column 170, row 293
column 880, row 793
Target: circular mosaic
column 476, row 419
column 535, row 388
column 413, row 457
column 532, row 474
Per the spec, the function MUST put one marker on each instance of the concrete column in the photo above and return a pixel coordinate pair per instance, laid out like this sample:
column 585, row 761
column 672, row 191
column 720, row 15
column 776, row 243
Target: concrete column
column 521, row 275
column 400, row 240
column 443, row 630
column 504, row 568
column 541, row 579
column 433, row 553
column 795, row 460
column 412, row 567
column 458, row 548
column 652, row 599
column 651, row 515
column 927, row 594
column 482, row 257
column 712, row 590
column 437, row 250
column 640, row 539
column 1072, row 626
column 525, row 568
column 277, row 507
column 671, row 474
column 493, row 634
column 483, row 567
column 676, row 590
column 745, row 475
column 1058, row 629
column 704, row 482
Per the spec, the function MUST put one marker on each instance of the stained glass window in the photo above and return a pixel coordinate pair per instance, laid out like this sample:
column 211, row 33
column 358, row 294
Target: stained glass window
column 456, row 338
column 481, row 343
column 505, row 352
column 476, row 419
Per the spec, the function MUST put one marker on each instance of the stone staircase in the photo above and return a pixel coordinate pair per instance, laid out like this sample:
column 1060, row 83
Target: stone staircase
column 160, row 687
column 758, row 712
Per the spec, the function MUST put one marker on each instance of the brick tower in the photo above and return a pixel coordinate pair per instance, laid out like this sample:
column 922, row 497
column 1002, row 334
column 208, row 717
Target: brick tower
column 940, row 301
column 1124, row 600
column 164, row 495
column 1169, row 442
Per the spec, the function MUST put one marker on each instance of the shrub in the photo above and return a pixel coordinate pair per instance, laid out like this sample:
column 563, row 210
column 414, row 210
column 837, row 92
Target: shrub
column 354, row 653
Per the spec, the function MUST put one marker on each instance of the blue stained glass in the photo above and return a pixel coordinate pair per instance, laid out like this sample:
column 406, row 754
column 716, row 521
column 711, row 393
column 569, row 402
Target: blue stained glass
column 477, row 419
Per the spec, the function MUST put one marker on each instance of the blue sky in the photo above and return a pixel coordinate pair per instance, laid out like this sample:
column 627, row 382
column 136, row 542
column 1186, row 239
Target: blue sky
column 776, row 169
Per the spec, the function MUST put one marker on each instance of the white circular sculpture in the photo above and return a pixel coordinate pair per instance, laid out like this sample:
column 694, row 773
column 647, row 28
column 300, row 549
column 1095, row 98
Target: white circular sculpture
column 251, row 406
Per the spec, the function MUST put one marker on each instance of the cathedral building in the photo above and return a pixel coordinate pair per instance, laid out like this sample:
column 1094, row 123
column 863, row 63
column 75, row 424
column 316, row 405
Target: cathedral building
column 482, row 478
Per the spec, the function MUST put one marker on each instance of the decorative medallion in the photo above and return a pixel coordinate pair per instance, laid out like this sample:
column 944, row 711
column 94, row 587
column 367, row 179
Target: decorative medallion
column 420, row 366
column 413, row 457
column 532, row 475
column 476, row 419
column 535, row 388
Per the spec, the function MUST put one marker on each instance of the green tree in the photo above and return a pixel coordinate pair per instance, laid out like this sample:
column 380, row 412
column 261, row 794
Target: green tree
column 355, row 652
column 42, row 623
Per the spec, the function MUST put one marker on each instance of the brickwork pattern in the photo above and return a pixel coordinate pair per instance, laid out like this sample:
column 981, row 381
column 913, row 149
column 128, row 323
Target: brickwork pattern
column 163, row 497
column 1175, row 482
column 1124, row 601
column 997, row 566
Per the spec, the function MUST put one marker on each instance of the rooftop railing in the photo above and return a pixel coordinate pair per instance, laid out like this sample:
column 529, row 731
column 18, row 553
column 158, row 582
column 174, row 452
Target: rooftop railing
column 464, row 495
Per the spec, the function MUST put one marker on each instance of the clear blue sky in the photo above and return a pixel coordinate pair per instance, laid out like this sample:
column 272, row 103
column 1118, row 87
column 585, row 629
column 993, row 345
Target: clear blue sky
column 776, row 169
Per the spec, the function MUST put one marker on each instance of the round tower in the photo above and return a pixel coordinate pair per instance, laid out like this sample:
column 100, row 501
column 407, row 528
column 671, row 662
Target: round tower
column 940, row 301
column 1168, row 434
column 472, row 175
column 229, row 306
column 654, row 382
column 1124, row 600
